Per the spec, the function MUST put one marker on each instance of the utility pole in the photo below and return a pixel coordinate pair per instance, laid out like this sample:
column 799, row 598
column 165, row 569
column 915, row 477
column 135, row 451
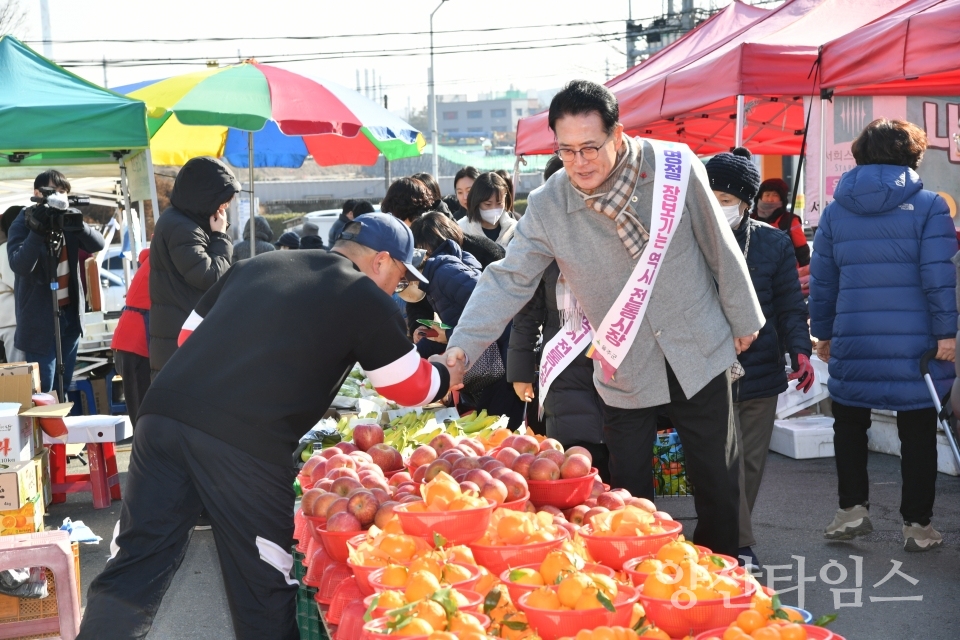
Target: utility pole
column 386, row 163
column 433, row 102
column 358, row 80
column 45, row 29
column 104, row 72
column 366, row 82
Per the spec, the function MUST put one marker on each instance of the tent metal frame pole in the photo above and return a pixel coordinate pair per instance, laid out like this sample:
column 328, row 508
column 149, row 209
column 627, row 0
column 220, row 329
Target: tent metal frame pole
column 738, row 135
column 153, row 199
column 128, row 218
column 821, row 177
column 253, row 226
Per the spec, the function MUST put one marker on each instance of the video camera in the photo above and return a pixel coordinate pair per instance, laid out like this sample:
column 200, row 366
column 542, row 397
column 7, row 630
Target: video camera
column 55, row 212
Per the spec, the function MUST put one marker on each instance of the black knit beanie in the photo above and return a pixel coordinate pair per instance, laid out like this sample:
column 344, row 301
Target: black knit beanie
column 775, row 184
column 734, row 173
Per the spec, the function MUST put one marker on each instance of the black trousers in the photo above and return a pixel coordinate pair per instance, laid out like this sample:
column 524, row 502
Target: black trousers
column 135, row 371
column 175, row 471
column 706, row 428
column 918, row 459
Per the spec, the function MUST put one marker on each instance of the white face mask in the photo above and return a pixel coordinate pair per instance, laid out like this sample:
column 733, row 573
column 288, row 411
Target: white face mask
column 733, row 214
column 491, row 216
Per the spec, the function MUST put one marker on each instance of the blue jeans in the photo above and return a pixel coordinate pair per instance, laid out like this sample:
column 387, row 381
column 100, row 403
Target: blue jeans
column 69, row 341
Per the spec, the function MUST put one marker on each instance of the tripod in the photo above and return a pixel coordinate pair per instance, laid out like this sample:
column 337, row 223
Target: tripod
column 55, row 243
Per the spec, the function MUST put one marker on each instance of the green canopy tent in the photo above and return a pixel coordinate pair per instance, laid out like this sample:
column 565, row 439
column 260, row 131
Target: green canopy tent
column 51, row 118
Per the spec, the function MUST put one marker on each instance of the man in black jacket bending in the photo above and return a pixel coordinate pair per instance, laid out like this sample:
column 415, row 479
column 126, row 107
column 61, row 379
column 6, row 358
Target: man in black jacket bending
column 220, row 435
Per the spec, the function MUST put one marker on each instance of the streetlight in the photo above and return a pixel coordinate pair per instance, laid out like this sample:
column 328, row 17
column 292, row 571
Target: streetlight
column 433, row 102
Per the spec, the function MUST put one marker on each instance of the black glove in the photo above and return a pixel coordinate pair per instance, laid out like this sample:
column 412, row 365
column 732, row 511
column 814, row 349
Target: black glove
column 38, row 219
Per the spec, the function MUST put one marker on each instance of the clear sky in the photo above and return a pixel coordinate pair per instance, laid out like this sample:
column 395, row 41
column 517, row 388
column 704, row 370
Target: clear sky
column 509, row 23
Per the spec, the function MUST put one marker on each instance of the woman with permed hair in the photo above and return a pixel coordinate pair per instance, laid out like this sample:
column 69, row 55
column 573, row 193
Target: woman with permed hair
column 407, row 199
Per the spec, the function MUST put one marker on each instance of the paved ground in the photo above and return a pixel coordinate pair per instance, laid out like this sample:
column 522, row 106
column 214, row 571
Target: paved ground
column 796, row 502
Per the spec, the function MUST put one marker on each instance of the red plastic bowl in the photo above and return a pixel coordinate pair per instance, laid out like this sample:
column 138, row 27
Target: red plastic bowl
column 679, row 621
column 561, row 494
column 499, row 558
column 516, row 590
column 468, row 584
column 374, row 630
column 517, row 505
column 551, row 624
column 333, row 575
column 335, row 542
column 345, row 593
column 638, row 577
column 351, row 622
column 613, row 551
column 813, row 633
column 457, row 527
column 474, row 603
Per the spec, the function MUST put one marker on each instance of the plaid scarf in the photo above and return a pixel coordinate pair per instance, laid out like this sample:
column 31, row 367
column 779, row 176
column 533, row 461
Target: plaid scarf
column 612, row 198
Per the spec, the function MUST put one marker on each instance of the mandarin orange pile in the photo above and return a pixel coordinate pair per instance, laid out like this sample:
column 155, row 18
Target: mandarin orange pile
column 628, row 521
column 518, row 528
column 681, row 572
column 754, row 625
column 443, row 493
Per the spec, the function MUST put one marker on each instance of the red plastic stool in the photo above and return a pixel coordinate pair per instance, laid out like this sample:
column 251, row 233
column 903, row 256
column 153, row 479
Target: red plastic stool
column 103, row 480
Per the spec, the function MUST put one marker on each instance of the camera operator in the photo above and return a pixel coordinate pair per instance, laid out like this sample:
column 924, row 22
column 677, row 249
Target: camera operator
column 31, row 233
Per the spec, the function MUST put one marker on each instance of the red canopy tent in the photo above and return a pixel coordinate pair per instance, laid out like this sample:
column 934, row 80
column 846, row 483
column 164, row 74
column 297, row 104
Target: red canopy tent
column 913, row 50
column 635, row 87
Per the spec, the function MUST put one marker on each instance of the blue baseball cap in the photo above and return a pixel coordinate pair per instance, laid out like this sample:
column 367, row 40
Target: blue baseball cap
column 383, row 232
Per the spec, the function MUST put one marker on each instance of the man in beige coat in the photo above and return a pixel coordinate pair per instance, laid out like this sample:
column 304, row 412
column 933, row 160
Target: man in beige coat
column 701, row 313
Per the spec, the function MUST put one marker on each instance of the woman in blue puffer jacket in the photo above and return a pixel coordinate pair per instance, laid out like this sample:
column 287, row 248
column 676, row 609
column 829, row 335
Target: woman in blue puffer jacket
column 881, row 295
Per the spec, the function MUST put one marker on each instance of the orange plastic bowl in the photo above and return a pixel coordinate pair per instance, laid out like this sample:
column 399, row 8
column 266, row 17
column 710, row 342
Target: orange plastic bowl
column 551, row 624
column 457, row 527
column 679, row 621
column 335, row 542
column 613, row 551
column 561, row 494
column 497, row 559
column 813, row 633
column 375, row 579
column 516, row 590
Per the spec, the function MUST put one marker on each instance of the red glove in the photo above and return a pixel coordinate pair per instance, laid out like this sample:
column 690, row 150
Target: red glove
column 804, row 373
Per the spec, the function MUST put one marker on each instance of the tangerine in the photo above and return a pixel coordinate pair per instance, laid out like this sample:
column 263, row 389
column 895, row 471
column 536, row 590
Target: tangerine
column 420, row 585
column 391, row 599
column 544, row 598
column 463, row 622
column 430, row 561
column 415, row 627
column 733, row 632
column 397, row 547
column 454, row 573
column 677, row 551
column 766, row 633
column 441, row 635
column 394, row 575
column 513, row 528
column 649, row 566
column 750, row 620
column 554, row 564
column 572, row 587
column 606, row 584
column 727, row 585
column 792, row 631
column 658, row 585
column 432, row 612
column 526, row 575
column 588, row 599
column 656, row 632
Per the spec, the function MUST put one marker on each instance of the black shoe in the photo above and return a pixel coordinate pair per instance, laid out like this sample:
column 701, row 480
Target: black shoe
column 745, row 556
column 203, row 523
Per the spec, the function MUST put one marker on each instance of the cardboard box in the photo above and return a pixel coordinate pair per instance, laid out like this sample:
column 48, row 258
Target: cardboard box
column 18, row 382
column 18, row 484
column 26, row 519
column 17, row 437
column 44, row 486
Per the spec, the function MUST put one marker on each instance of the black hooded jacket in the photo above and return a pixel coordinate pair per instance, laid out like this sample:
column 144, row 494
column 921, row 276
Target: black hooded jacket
column 186, row 257
column 241, row 250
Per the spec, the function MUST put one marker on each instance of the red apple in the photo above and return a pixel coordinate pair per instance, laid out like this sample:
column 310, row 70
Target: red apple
column 528, row 507
column 381, row 494
column 508, row 456
column 569, row 527
column 443, row 442
column 410, row 497
column 420, row 473
column 499, row 472
column 642, row 503
column 662, row 515
column 491, row 464
column 550, row 443
column 459, row 474
column 360, row 457
column 467, row 462
column 398, row 479
column 363, row 505
column 372, row 481
column 314, row 463
column 575, row 466
column 346, row 447
column 592, row 512
column 466, row 450
column 324, row 484
column 597, row 488
column 475, row 444
column 552, row 511
column 544, row 469
column 384, row 513
column 466, row 485
column 386, row 457
column 322, row 506
column 337, row 506
column 424, row 454
column 479, row 477
column 341, row 460
column 581, row 450
column 342, row 472
column 522, row 464
column 408, row 487
column 343, row 521
column 552, row 454
column 326, row 454
column 436, row 467
column 526, row 444
column 343, row 486
column 590, row 502
column 575, row 514
column 452, row 455
column 367, row 435
column 516, row 485
column 508, row 442
column 610, row 500
column 494, row 490
column 309, row 499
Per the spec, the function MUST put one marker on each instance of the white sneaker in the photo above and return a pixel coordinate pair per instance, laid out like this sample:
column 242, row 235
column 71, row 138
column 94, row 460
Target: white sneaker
column 917, row 538
column 849, row 523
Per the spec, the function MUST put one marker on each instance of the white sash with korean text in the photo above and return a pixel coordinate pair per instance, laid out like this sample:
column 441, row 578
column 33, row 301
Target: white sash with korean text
column 559, row 352
column 620, row 325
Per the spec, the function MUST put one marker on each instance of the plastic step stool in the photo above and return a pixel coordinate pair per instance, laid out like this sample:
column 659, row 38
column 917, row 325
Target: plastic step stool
column 103, row 479
column 50, row 549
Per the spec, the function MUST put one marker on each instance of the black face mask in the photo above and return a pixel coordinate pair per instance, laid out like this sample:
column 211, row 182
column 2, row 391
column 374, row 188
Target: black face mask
column 767, row 209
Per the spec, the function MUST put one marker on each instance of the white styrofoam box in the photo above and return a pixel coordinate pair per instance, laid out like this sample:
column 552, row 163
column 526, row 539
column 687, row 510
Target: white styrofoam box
column 803, row 438
column 82, row 429
column 883, row 437
column 16, row 434
column 791, row 401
